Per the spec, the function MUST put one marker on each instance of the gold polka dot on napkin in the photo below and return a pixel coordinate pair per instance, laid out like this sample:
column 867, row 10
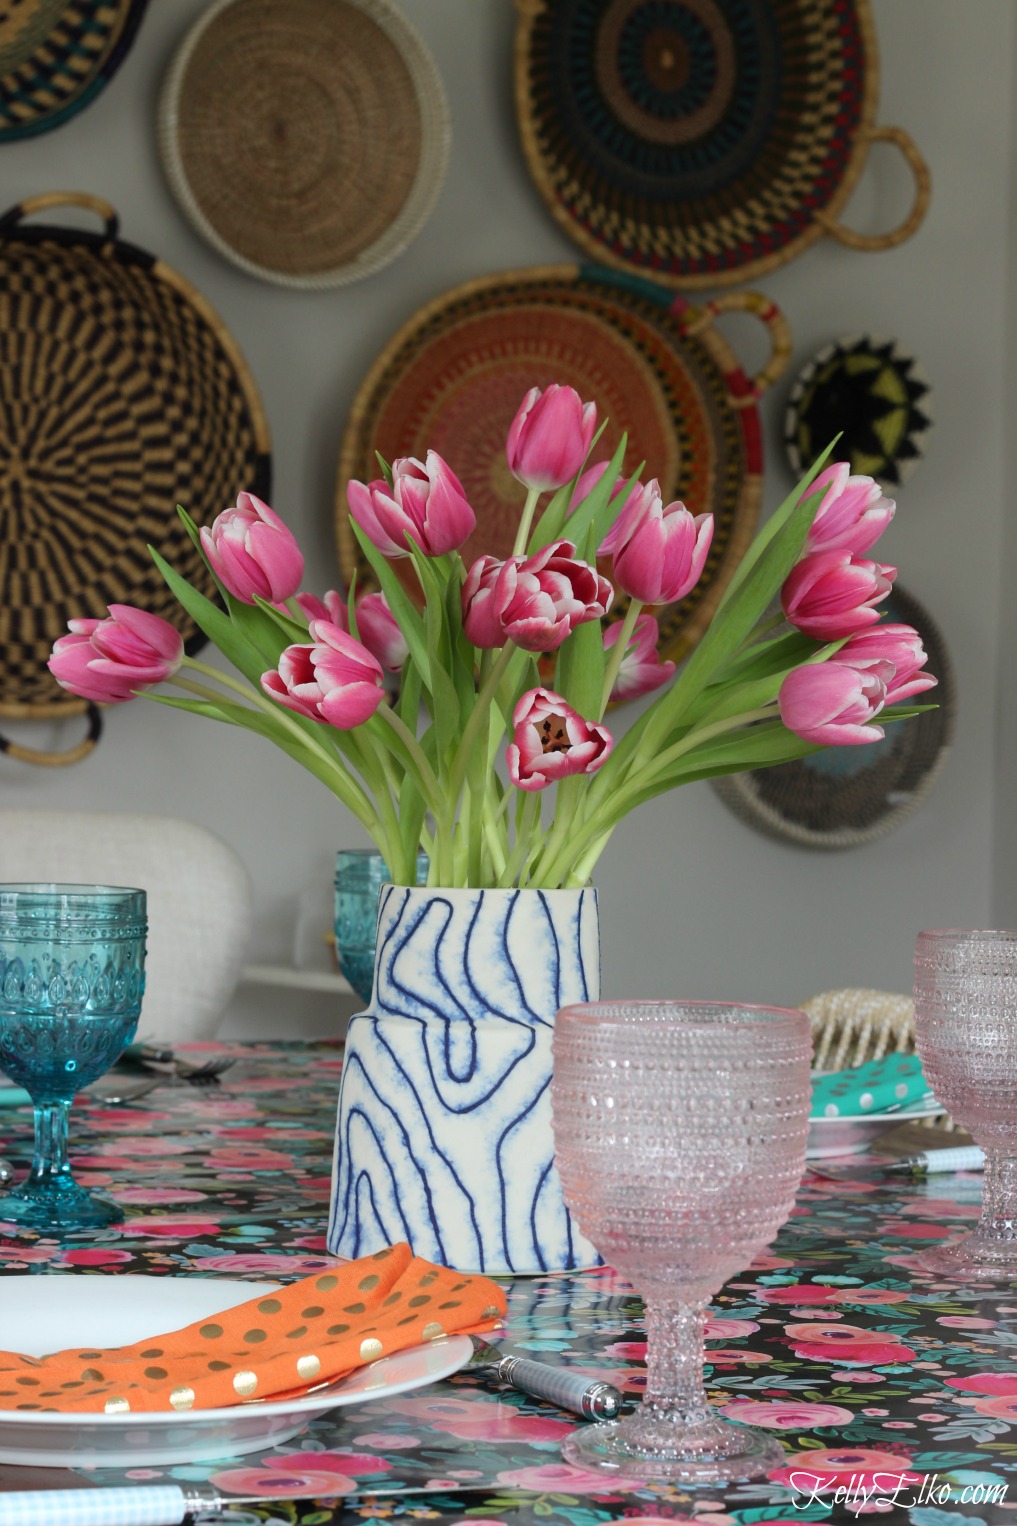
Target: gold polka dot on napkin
column 290, row 1342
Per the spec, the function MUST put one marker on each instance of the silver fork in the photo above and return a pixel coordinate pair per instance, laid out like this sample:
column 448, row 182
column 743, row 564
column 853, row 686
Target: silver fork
column 203, row 1075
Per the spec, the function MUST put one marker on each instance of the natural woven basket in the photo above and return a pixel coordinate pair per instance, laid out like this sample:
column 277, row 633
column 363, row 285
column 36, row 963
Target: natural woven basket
column 701, row 142
column 306, row 141
column 658, row 369
column 56, row 56
column 121, row 395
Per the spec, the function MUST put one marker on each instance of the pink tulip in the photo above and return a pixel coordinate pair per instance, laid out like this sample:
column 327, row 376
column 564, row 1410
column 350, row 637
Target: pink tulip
column 641, row 669
column 110, row 660
column 550, row 741
column 332, row 608
column 659, row 553
column 426, row 502
column 900, row 645
column 380, row 632
column 335, row 680
column 252, row 553
column 830, row 703
column 550, row 437
column 853, row 513
column 588, row 481
column 832, row 594
column 535, row 601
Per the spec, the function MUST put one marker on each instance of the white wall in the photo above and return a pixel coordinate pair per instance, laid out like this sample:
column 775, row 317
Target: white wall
column 693, row 901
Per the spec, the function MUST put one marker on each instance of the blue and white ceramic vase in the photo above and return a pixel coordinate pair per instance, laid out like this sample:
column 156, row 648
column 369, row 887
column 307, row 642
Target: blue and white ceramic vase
column 444, row 1128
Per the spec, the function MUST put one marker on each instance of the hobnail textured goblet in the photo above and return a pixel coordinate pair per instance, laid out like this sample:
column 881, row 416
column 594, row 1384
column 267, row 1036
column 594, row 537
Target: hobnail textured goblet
column 680, row 1132
column 359, row 875
column 966, row 1034
column 72, row 963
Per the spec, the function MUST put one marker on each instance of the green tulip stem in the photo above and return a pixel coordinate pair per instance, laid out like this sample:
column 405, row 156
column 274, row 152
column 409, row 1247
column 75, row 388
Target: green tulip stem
column 525, row 521
column 346, row 787
column 618, row 651
column 478, row 718
column 602, row 821
column 426, row 778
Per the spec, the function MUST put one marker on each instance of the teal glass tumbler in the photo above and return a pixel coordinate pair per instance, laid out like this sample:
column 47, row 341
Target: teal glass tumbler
column 359, row 875
column 72, row 976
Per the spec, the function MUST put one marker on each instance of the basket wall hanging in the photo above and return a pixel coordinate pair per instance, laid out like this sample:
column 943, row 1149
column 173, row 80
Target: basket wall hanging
column 121, row 395
column 452, row 378
column 56, row 56
column 871, row 392
column 703, row 142
column 843, row 797
column 306, row 141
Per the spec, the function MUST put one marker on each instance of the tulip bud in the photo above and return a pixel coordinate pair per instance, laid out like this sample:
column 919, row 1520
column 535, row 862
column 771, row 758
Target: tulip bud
column 831, row 594
column 425, row 502
column 550, row 437
column 252, row 552
column 853, row 513
column 334, row 679
column 830, row 703
column 110, row 660
column 659, row 553
column 641, row 669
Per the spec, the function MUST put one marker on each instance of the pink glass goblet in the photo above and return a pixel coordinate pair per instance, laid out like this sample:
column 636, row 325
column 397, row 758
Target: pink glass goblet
column 966, row 1034
column 680, row 1132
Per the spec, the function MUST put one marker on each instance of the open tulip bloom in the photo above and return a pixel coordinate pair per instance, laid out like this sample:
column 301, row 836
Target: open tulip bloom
column 504, row 774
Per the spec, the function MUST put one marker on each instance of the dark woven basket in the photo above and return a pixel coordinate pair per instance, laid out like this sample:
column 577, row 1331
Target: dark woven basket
column 870, row 392
column 700, row 142
column 843, row 797
column 656, row 366
column 56, row 56
column 121, row 395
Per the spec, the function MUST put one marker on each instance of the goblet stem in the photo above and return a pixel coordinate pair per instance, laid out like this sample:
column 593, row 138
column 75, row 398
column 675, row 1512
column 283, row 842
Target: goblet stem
column 999, row 1199
column 674, row 1361
column 50, row 1165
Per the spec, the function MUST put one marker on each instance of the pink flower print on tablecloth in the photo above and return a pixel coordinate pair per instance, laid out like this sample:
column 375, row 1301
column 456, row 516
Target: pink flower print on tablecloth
column 822, row 1469
column 563, row 1478
column 801, row 1294
column 786, row 1414
column 847, row 1343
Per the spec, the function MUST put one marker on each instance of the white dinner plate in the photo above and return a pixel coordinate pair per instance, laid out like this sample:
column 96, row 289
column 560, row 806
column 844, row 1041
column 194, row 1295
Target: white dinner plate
column 857, row 1132
column 50, row 1313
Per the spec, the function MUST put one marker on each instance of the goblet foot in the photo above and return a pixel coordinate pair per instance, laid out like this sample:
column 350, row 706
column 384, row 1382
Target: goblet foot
column 641, row 1446
column 974, row 1258
column 61, row 1204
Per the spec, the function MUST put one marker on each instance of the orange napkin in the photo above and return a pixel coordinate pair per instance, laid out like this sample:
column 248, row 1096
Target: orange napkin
column 281, row 1344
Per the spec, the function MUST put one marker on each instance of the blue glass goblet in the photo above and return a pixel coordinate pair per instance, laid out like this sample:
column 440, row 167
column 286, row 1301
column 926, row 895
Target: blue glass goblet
column 359, row 875
column 72, row 974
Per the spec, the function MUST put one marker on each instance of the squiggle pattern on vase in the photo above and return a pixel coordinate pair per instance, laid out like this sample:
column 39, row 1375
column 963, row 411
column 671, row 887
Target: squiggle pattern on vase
column 444, row 1127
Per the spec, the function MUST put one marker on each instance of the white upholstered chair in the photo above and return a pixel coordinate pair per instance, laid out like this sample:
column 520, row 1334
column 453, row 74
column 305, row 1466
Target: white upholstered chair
column 200, row 901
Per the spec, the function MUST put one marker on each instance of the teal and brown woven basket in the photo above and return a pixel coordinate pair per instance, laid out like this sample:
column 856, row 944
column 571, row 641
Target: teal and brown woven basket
column 56, row 56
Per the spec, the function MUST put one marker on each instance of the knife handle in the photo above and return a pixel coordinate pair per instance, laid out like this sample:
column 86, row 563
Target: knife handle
column 596, row 1400
column 143, row 1505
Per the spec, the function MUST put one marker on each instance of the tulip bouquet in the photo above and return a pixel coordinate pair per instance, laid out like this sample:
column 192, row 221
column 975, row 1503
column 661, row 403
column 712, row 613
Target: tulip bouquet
column 463, row 763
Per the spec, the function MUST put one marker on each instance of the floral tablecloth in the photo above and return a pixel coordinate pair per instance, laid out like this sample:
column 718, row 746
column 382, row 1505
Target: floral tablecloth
column 867, row 1373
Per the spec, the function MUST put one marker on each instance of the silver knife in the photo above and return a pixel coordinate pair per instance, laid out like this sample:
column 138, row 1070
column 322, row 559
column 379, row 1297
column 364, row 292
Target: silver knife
column 569, row 1390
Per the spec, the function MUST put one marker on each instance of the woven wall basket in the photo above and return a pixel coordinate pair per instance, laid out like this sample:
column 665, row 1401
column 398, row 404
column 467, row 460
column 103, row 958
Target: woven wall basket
column 306, row 140
column 702, row 141
column 872, row 393
column 843, row 797
column 121, row 395
column 657, row 368
column 56, row 56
